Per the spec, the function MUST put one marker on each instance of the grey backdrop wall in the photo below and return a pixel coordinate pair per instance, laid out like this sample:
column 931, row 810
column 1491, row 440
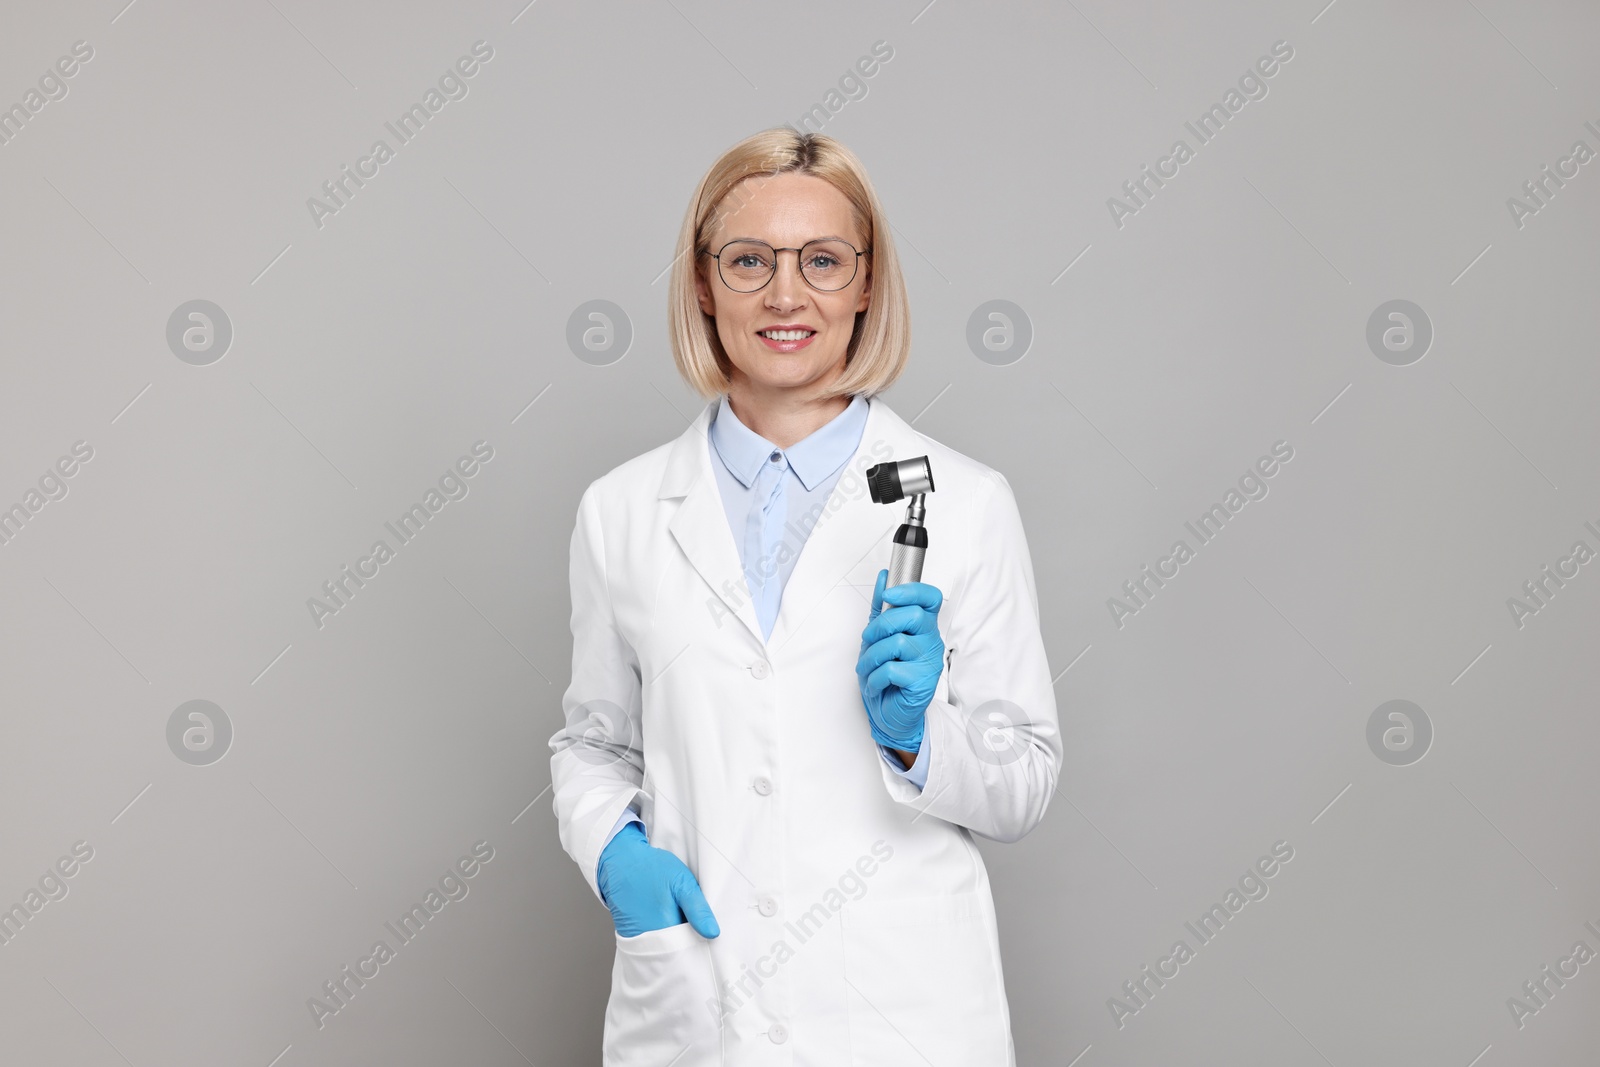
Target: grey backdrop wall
column 1369, row 269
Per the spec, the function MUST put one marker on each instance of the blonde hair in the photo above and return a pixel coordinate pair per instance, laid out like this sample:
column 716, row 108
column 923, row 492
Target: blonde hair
column 879, row 344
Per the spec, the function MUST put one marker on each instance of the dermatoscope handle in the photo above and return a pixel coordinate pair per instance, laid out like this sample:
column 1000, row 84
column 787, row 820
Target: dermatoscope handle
column 905, row 563
column 910, row 545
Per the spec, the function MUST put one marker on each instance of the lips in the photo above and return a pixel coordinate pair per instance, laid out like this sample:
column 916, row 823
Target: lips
column 786, row 338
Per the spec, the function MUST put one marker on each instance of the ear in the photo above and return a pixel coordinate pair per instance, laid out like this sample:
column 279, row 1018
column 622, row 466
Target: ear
column 702, row 291
column 866, row 292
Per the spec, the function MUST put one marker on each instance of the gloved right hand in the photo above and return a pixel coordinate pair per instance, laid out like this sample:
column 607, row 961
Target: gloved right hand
column 902, row 656
column 649, row 888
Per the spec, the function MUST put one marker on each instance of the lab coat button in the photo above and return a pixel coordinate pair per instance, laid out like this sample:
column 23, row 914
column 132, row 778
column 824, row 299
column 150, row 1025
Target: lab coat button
column 779, row 1033
column 760, row 668
column 763, row 785
column 768, row 906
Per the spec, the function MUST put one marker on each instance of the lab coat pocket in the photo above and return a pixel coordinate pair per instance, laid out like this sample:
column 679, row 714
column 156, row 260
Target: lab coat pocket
column 924, row 983
column 663, row 1001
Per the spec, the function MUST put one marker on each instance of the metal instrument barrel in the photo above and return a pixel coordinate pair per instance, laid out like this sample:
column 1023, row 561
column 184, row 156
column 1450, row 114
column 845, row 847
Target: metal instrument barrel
column 905, row 564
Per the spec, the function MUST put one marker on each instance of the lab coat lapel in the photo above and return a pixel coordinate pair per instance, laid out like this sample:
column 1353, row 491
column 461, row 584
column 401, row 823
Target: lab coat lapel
column 851, row 528
column 700, row 525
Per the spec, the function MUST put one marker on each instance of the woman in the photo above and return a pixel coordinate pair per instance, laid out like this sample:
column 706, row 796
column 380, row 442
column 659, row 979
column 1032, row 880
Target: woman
column 776, row 804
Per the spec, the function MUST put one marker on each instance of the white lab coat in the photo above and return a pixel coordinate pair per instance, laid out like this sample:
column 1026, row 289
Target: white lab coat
column 857, row 925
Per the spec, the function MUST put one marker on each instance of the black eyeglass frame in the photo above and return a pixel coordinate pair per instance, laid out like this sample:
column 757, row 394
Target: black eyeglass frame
column 799, row 263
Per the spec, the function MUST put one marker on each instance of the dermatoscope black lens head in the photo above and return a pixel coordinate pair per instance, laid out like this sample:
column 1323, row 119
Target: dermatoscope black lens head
column 883, row 483
column 889, row 482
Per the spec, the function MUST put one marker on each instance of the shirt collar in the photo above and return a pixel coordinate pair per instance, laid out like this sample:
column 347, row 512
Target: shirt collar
column 743, row 451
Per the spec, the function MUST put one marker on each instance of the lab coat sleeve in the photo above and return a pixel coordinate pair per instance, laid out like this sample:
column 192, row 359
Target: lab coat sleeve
column 993, row 744
column 598, row 764
column 630, row 815
column 917, row 773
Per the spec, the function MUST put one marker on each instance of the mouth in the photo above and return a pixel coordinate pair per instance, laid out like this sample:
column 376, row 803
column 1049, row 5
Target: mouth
column 787, row 340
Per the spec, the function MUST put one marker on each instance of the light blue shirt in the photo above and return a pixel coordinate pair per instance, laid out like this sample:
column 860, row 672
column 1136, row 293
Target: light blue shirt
column 770, row 526
column 772, row 497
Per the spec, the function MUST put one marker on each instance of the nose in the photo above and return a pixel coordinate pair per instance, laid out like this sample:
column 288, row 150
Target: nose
column 787, row 288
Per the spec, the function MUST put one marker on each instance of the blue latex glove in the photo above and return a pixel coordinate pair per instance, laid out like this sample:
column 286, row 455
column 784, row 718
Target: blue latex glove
column 649, row 888
column 902, row 655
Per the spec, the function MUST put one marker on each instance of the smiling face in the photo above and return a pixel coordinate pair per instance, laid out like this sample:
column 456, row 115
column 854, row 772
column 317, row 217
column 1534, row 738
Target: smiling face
column 785, row 211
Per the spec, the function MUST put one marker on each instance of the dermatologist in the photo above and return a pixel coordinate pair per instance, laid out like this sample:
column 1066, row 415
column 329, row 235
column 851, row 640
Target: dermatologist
column 772, row 767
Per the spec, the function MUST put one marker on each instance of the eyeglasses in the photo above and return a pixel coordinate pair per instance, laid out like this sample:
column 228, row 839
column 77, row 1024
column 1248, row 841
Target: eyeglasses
column 827, row 265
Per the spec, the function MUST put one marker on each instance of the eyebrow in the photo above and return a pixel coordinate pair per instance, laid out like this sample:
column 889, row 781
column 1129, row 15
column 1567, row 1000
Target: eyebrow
column 763, row 240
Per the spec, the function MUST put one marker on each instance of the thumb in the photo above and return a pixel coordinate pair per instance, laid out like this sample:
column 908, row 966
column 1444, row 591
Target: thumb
column 877, row 593
column 686, row 891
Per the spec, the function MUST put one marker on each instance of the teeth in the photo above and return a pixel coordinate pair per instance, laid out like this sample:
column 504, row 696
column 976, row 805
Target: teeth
column 787, row 335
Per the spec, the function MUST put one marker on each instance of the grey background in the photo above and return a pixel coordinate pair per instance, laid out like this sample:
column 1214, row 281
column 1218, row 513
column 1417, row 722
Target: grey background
column 1229, row 313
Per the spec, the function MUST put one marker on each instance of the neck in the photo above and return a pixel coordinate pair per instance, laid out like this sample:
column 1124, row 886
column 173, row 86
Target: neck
column 783, row 418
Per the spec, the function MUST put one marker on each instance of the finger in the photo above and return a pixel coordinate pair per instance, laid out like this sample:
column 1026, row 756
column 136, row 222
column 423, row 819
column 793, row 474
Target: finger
column 893, row 661
column 892, row 621
column 894, row 672
column 877, row 593
column 877, row 604
column 909, row 619
column 929, row 596
column 886, row 649
column 873, row 682
column 693, row 902
column 912, row 671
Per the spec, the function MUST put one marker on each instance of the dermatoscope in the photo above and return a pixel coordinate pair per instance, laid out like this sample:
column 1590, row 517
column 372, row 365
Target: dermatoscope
column 890, row 482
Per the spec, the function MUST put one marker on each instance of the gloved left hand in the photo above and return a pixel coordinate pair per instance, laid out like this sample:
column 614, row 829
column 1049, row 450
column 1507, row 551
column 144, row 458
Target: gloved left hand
column 648, row 888
column 901, row 657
